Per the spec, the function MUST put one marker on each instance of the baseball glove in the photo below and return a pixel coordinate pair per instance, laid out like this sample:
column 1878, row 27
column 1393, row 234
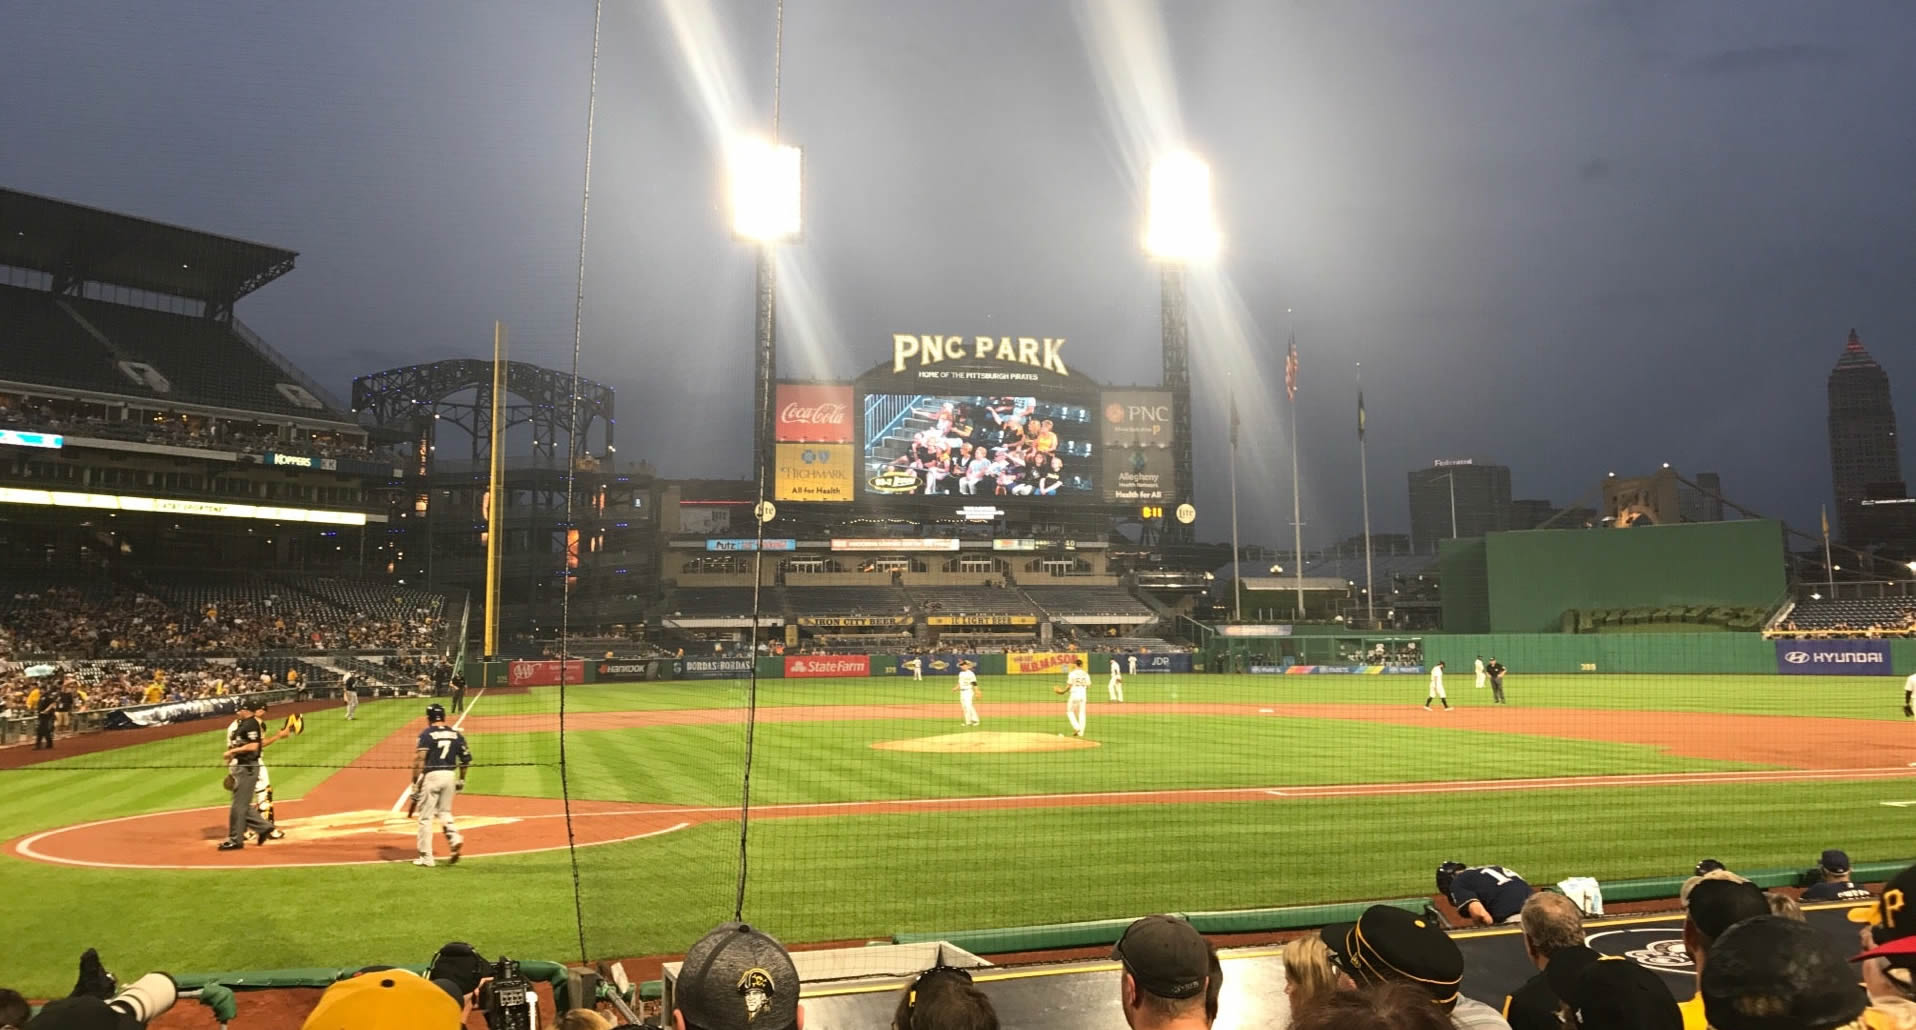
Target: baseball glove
column 229, row 783
column 1057, row 690
column 296, row 723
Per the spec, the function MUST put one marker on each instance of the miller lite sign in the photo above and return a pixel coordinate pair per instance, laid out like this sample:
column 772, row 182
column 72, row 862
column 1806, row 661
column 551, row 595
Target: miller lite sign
column 809, row 413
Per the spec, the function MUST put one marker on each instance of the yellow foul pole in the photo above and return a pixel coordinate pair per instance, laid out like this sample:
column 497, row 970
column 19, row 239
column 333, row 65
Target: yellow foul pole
column 495, row 488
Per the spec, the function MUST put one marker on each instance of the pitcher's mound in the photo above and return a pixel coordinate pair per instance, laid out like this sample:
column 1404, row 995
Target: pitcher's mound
column 982, row 742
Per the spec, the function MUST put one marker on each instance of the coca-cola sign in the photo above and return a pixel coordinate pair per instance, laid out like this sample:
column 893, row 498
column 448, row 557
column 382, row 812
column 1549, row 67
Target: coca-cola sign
column 809, row 413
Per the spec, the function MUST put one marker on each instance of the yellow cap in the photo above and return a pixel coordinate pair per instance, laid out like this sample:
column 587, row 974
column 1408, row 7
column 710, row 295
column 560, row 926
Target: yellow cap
column 390, row 999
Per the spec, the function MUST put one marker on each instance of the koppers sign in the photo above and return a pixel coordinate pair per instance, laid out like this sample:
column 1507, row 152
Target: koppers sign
column 1832, row 657
column 1037, row 662
column 813, row 414
column 543, row 673
column 810, row 666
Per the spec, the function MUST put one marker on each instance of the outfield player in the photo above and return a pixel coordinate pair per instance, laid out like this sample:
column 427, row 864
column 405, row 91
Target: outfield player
column 967, row 689
column 439, row 767
column 1437, row 688
column 1480, row 672
column 1114, row 689
column 1078, row 683
column 1131, row 660
column 917, row 667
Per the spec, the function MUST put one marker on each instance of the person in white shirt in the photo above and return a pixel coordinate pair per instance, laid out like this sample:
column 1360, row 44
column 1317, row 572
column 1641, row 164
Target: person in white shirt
column 1437, row 688
column 1115, row 689
column 1079, row 685
column 917, row 667
column 1132, row 661
column 1480, row 672
column 967, row 689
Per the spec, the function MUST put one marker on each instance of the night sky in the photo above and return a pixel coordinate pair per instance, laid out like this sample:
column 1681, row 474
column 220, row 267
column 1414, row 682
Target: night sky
column 1571, row 237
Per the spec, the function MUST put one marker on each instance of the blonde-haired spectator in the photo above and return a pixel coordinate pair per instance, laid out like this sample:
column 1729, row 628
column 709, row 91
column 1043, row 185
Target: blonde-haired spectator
column 1309, row 976
column 583, row 1019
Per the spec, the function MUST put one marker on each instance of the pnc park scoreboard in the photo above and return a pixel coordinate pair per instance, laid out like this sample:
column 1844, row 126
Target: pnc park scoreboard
column 974, row 422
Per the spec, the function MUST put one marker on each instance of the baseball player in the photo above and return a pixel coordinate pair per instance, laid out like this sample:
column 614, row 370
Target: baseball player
column 1114, row 689
column 243, row 750
column 1909, row 701
column 1480, row 672
column 1078, row 683
column 1484, row 894
column 1437, row 688
column 917, row 667
column 263, row 786
column 350, row 688
column 967, row 689
column 439, row 767
column 1496, row 670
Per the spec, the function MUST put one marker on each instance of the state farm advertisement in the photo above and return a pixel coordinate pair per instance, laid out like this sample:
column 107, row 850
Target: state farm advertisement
column 813, row 414
column 810, row 666
column 543, row 673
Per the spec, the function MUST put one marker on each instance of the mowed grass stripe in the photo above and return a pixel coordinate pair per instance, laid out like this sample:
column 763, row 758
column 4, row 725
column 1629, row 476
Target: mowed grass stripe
column 834, row 761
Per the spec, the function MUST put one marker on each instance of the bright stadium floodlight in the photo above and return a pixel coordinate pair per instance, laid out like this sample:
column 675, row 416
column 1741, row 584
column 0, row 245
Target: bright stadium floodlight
column 765, row 178
column 1180, row 225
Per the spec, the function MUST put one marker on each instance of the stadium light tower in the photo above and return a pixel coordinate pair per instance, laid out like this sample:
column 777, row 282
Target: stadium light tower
column 1180, row 228
column 765, row 198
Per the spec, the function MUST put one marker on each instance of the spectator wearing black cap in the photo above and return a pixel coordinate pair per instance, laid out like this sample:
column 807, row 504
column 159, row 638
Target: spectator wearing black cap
column 1889, row 952
column 1711, row 907
column 1552, row 927
column 1834, row 883
column 1608, row 992
column 1770, row 973
column 737, row 978
column 1167, row 966
column 1390, row 945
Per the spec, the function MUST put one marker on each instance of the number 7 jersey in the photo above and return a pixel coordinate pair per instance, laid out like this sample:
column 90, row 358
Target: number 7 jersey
column 445, row 747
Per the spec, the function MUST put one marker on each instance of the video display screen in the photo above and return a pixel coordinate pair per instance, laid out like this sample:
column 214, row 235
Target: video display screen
column 977, row 446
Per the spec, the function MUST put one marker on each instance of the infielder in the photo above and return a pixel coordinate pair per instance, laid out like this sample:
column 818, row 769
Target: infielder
column 1114, row 689
column 439, row 767
column 917, row 667
column 967, row 689
column 1437, row 688
column 1480, row 672
column 1079, row 684
column 350, row 687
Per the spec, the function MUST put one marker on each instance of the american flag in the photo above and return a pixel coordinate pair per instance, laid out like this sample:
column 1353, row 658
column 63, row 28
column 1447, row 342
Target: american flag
column 1290, row 371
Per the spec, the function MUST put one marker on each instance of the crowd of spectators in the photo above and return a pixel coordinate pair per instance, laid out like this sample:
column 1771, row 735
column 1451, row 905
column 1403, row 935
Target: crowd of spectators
column 1757, row 966
column 124, row 621
column 1901, row 625
column 172, row 428
column 115, row 685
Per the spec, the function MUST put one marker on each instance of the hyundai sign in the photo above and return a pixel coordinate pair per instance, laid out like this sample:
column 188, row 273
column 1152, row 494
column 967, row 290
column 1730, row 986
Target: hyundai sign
column 1832, row 657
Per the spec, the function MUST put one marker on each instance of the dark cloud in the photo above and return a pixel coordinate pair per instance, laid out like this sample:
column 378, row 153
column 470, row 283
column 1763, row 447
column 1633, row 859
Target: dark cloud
column 1760, row 59
column 1595, row 169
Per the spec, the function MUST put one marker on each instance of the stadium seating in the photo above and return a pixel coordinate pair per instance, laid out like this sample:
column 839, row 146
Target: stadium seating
column 203, row 360
column 826, row 601
column 1088, row 602
column 970, row 601
column 721, row 602
column 1891, row 613
column 40, row 343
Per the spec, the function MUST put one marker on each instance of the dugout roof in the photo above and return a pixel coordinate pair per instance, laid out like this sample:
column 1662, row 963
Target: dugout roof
column 77, row 244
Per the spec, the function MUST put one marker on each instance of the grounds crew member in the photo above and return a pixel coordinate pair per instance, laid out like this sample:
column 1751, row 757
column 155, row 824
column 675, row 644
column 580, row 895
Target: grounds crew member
column 439, row 767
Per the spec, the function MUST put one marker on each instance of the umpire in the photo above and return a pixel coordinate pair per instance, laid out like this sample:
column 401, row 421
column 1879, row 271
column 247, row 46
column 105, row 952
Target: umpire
column 243, row 750
column 458, row 691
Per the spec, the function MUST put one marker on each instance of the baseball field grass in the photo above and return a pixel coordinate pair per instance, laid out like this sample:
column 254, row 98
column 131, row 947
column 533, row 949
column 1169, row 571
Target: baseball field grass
column 857, row 873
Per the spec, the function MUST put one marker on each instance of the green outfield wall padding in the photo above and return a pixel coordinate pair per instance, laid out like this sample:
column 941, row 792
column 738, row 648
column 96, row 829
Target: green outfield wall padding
column 1536, row 575
column 1607, row 653
column 771, row 668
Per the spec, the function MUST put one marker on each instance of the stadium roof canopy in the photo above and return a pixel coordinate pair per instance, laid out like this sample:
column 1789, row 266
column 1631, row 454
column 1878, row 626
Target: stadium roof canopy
column 77, row 244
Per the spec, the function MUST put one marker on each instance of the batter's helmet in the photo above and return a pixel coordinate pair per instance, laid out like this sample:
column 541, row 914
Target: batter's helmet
column 435, row 713
column 1446, row 873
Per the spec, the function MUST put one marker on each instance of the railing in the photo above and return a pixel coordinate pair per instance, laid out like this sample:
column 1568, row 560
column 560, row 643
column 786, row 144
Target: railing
column 883, row 413
column 290, row 370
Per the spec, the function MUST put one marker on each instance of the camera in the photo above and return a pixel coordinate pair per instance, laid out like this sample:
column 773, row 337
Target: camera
column 146, row 998
column 507, row 999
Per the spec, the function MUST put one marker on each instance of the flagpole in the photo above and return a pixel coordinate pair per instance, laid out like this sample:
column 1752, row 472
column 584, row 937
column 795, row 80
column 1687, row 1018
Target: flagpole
column 1237, row 584
column 1363, row 473
column 1829, row 570
column 1297, row 507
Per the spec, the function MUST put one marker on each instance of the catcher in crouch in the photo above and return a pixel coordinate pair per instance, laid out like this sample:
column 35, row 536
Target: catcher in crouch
column 1078, row 682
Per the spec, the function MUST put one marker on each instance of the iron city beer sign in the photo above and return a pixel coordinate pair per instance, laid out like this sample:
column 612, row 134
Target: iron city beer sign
column 1037, row 352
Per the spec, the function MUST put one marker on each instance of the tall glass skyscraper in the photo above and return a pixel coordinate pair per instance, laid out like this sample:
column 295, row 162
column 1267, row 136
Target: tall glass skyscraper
column 1862, row 430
